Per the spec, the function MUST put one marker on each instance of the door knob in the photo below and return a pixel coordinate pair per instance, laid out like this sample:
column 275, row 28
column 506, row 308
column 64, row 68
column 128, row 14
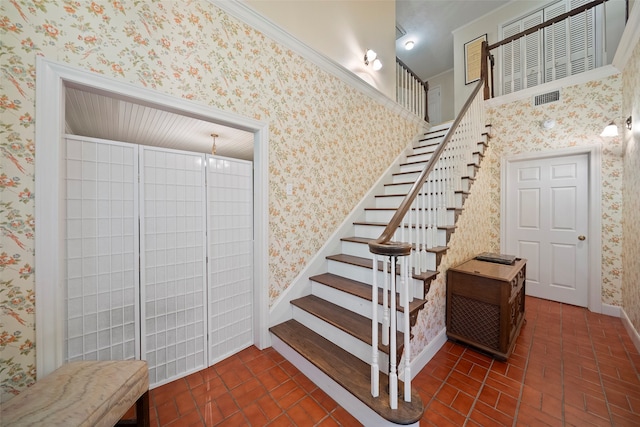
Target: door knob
column 581, row 237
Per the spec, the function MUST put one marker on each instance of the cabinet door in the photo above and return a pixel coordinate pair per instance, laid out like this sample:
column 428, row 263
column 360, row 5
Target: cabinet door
column 230, row 224
column 173, row 263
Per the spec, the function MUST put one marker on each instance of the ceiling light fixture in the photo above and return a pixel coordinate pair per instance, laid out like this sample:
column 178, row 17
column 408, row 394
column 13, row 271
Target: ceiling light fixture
column 409, row 45
column 628, row 122
column 371, row 57
column 213, row 147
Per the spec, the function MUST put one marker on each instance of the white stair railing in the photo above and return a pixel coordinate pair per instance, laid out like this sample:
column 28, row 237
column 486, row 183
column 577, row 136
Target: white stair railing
column 412, row 233
column 411, row 91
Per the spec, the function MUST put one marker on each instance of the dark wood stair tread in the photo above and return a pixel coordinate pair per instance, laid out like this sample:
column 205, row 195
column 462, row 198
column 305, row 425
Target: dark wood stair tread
column 346, row 320
column 350, row 372
column 360, row 290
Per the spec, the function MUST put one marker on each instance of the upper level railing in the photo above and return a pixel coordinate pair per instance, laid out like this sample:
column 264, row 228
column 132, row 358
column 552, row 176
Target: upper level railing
column 411, row 91
column 543, row 66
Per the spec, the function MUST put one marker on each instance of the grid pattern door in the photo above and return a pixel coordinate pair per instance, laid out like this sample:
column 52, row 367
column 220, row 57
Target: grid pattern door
column 173, row 267
column 101, row 250
column 230, row 216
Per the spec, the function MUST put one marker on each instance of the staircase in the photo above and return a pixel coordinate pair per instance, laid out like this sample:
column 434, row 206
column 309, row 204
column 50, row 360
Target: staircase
column 329, row 337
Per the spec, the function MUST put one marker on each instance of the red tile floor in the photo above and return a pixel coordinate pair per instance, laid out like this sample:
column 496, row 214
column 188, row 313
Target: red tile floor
column 570, row 367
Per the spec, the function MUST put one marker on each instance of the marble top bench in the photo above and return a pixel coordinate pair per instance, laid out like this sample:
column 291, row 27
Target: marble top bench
column 86, row 393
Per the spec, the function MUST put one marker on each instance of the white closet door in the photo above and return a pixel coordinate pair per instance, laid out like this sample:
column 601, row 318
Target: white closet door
column 230, row 199
column 173, row 263
column 101, row 250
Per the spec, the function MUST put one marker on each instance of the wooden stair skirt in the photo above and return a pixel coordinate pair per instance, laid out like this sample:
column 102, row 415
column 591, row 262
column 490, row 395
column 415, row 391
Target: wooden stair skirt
column 346, row 378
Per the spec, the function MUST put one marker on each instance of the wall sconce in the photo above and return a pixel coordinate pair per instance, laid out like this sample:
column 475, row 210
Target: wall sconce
column 371, row 57
column 610, row 130
column 628, row 122
column 213, row 147
column 548, row 124
column 409, row 45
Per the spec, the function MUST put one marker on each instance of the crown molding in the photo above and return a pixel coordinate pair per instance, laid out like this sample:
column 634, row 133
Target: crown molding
column 245, row 13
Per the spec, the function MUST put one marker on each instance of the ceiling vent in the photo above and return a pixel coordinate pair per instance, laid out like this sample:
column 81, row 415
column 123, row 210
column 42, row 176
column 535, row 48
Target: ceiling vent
column 400, row 31
column 546, row 98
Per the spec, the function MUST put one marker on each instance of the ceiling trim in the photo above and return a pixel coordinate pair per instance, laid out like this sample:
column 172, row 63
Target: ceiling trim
column 250, row 16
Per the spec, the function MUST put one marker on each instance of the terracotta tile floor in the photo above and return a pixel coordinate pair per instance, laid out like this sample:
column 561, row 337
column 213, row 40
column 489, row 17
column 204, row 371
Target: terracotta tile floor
column 569, row 367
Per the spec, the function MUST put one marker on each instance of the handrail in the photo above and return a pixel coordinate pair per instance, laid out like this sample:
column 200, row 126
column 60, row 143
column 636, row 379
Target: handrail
column 548, row 23
column 383, row 244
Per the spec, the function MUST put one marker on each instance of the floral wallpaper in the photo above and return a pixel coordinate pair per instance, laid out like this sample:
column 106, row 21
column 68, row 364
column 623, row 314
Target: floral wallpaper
column 580, row 116
column 328, row 139
column 630, row 195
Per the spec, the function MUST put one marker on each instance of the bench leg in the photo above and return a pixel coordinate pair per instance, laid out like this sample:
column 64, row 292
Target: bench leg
column 142, row 410
column 142, row 413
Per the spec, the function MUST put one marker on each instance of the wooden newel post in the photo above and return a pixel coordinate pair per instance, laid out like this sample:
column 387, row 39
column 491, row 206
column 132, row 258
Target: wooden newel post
column 484, row 71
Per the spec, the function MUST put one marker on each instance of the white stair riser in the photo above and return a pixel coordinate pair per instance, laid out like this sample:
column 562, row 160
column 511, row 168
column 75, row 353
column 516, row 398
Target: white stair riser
column 352, row 302
column 386, row 215
column 407, row 177
column 424, row 149
column 342, row 339
column 418, row 157
column 389, row 202
column 355, row 249
column 360, row 274
column 400, row 188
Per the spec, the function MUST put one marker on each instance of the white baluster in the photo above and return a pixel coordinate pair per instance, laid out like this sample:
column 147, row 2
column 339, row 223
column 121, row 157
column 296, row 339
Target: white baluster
column 419, row 241
column 385, row 303
column 423, row 251
column 393, row 370
column 407, row 349
column 375, row 369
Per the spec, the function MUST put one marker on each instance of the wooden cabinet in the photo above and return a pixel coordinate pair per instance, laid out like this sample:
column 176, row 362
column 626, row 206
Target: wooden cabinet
column 485, row 304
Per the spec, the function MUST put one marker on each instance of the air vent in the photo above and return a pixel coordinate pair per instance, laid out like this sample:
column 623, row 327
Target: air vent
column 400, row 31
column 546, row 98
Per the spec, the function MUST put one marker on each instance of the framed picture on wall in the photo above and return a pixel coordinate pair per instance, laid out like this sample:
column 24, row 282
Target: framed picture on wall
column 473, row 59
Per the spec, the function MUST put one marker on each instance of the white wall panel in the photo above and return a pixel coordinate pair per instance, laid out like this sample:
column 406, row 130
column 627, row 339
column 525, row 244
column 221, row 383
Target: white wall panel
column 230, row 216
column 173, row 263
column 101, row 250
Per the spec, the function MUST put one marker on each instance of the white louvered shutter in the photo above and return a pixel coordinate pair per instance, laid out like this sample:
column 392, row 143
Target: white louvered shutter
column 532, row 52
column 511, row 66
column 556, row 64
column 581, row 39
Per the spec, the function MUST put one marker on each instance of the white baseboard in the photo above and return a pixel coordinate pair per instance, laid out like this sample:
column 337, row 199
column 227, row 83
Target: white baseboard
column 611, row 310
column 426, row 354
column 633, row 333
column 350, row 403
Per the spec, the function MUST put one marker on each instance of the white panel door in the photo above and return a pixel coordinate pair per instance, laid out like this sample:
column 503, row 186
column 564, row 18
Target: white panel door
column 101, row 259
column 173, row 270
column 230, row 242
column 546, row 223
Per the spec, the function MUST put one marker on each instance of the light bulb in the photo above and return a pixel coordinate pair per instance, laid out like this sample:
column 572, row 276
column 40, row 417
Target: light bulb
column 409, row 45
column 377, row 65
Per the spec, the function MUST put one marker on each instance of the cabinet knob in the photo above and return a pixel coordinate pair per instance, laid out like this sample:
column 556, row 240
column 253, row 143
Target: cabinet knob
column 581, row 238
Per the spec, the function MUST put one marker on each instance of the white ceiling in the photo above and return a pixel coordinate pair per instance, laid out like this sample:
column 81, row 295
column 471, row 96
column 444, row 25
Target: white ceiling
column 430, row 24
column 101, row 116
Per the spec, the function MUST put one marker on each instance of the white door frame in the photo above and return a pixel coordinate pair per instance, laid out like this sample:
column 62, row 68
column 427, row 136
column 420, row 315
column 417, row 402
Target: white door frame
column 51, row 78
column 594, row 154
